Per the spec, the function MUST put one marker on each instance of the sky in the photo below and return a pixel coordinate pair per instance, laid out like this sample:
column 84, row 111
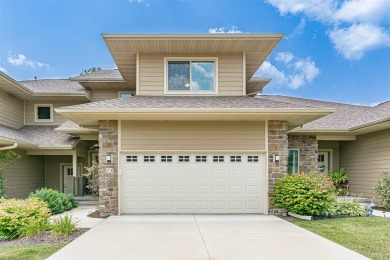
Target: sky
column 332, row 50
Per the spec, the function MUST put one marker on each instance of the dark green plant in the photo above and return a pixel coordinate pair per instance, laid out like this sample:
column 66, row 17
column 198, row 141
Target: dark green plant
column 339, row 177
column 342, row 191
column 347, row 208
column 304, row 194
column 382, row 191
column 64, row 225
column 16, row 215
column 90, row 70
column 58, row 202
column 6, row 158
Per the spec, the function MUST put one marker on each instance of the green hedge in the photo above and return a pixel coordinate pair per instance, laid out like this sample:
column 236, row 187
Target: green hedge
column 16, row 214
column 58, row 202
column 346, row 208
column 304, row 194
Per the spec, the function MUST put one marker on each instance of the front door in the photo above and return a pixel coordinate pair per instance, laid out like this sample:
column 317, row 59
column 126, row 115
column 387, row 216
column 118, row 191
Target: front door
column 323, row 162
column 69, row 180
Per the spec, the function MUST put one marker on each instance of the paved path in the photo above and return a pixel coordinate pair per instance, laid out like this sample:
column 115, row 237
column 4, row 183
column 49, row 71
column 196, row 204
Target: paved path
column 80, row 213
column 201, row 237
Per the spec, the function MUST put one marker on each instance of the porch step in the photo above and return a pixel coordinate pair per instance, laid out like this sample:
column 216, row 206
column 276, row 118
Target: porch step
column 86, row 200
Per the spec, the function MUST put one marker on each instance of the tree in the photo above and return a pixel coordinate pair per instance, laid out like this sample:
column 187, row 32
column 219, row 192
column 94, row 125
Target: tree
column 90, row 70
column 6, row 158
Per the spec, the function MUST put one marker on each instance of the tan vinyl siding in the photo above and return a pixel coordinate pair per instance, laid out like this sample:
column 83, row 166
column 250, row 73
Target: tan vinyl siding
column 57, row 120
column 161, row 135
column 53, row 170
column 365, row 160
column 334, row 146
column 103, row 94
column 27, row 175
column 11, row 111
column 230, row 69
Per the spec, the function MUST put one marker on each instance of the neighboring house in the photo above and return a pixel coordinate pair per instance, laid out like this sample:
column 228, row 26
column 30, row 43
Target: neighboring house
column 181, row 130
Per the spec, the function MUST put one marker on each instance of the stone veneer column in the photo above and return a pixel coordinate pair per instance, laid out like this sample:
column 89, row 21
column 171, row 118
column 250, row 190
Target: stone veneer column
column 277, row 145
column 308, row 151
column 108, row 182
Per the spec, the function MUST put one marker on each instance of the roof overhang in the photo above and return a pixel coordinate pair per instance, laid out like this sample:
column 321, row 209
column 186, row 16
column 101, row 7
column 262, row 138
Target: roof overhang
column 125, row 47
column 11, row 86
column 359, row 130
column 293, row 116
column 256, row 86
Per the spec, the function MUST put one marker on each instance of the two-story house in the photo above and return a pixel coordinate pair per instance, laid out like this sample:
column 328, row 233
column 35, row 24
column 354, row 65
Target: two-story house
column 180, row 127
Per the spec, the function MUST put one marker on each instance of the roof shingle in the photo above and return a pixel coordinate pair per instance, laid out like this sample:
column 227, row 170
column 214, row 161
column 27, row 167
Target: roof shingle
column 101, row 74
column 53, row 85
column 43, row 136
column 187, row 102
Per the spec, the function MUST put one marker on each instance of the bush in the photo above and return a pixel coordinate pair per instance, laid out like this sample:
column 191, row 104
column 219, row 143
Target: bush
column 34, row 228
column 16, row 215
column 58, row 202
column 64, row 225
column 382, row 191
column 304, row 194
column 348, row 208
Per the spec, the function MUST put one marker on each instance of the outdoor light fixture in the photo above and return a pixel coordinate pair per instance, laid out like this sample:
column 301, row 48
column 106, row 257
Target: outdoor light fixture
column 276, row 158
column 108, row 158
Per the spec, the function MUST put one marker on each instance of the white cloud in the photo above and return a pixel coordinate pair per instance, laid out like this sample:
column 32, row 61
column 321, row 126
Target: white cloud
column 298, row 72
column 352, row 42
column 21, row 60
column 353, row 16
column 285, row 57
column 2, row 69
column 225, row 29
column 298, row 30
column 139, row 2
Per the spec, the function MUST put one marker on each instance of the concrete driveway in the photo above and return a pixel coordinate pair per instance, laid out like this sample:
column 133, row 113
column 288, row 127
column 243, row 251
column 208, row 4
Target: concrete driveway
column 201, row 237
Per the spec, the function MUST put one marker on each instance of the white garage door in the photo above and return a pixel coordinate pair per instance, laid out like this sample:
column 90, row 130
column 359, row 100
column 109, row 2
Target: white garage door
column 192, row 183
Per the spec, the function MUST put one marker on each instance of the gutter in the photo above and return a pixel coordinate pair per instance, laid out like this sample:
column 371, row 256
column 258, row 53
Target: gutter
column 9, row 147
column 192, row 110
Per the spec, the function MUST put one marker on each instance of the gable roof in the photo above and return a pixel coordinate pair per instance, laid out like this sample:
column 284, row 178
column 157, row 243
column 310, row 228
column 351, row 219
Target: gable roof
column 38, row 137
column 346, row 118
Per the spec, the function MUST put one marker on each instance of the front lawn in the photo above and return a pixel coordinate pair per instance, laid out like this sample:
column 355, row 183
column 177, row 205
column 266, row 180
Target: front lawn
column 29, row 252
column 369, row 236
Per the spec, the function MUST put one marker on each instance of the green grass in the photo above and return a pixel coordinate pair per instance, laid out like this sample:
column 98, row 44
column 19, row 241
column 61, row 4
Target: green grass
column 29, row 252
column 369, row 236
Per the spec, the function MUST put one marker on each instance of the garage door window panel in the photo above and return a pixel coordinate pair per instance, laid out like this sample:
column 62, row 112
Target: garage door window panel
column 235, row 158
column 184, row 158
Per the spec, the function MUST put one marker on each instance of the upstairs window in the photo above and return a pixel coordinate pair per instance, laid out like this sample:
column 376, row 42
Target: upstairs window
column 191, row 76
column 43, row 113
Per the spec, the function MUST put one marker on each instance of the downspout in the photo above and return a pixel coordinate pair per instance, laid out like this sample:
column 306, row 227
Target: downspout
column 9, row 147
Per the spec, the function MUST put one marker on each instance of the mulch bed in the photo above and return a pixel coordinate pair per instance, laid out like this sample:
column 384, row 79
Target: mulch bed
column 95, row 214
column 293, row 219
column 44, row 238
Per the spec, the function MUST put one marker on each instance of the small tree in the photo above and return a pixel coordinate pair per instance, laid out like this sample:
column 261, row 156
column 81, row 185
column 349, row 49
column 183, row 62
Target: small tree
column 92, row 175
column 90, row 70
column 382, row 191
column 6, row 158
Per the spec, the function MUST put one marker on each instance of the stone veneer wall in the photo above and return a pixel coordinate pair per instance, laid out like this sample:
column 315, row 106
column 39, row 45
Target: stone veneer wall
column 108, row 182
column 277, row 145
column 308, row 151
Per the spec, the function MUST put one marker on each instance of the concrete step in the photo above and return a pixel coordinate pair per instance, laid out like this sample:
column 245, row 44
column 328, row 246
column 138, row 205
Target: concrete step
column 86, row 200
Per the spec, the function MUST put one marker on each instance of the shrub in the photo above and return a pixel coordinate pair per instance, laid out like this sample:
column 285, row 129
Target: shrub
column 34, row 228
column 6, row 158
column 305, row 194
column 349, row 208
column 58, row 202
column 16, row 215
column 64, row 225
column 382, row 191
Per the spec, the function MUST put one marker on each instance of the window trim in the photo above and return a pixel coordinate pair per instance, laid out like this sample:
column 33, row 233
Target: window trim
column 293, row 149
column 37, row 120
column 125, row 92
column 190, row 93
